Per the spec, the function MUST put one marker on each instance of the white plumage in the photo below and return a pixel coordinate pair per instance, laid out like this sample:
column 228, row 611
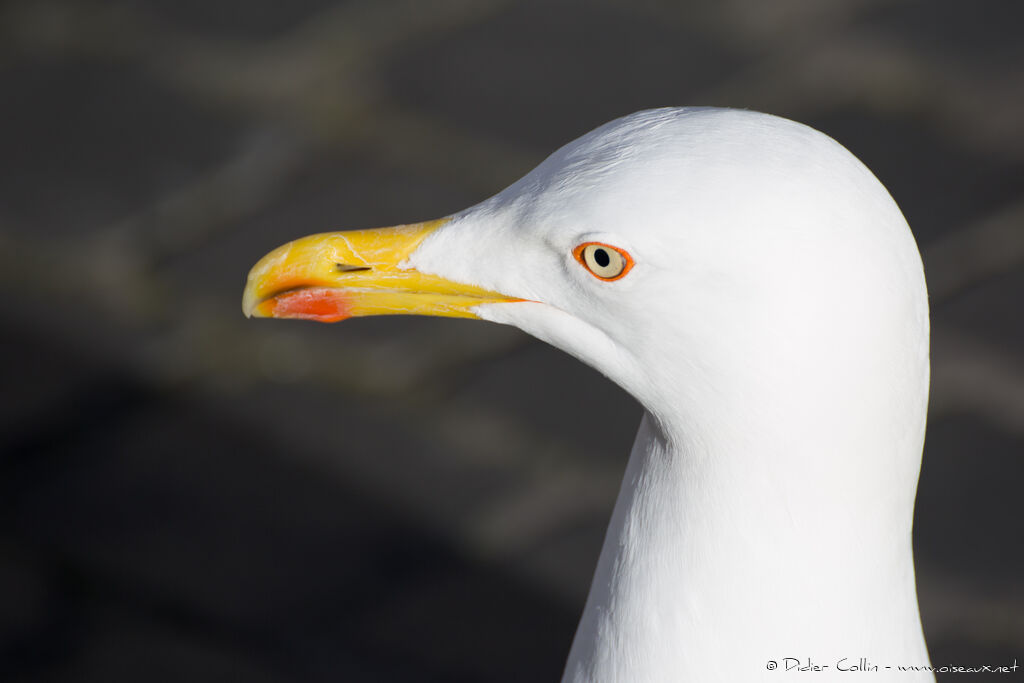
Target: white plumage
column 775, row 329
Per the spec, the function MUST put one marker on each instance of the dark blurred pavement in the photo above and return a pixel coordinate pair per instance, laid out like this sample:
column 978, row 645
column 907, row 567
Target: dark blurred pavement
column 186, row 495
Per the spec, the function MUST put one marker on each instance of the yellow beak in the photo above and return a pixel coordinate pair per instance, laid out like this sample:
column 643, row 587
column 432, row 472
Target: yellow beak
column 338, row 275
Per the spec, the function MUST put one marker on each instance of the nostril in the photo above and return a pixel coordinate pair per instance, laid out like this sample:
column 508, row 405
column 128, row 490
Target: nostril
column 346, row 268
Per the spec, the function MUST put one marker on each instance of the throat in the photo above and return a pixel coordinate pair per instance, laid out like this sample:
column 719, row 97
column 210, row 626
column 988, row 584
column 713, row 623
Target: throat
column 710, row 569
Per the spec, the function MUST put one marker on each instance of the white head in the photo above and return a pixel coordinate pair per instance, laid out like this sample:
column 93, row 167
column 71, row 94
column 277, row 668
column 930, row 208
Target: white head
column 768, row 263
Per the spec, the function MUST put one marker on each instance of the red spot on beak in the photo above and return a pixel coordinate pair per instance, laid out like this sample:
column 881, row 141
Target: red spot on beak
column 320, row 304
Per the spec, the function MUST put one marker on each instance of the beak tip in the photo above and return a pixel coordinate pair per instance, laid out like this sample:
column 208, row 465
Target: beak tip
column 250, row 303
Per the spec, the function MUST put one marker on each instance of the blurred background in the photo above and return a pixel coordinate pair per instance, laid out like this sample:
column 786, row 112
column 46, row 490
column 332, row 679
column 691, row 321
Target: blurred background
column 186, row 495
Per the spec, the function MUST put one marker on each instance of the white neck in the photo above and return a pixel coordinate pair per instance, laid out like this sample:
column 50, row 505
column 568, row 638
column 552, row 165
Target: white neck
column 718, row 560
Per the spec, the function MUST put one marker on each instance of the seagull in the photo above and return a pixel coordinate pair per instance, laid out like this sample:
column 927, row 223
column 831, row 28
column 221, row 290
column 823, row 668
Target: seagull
column 758, row 291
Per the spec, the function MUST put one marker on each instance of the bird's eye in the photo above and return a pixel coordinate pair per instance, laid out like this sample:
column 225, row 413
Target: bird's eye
column 603, row 260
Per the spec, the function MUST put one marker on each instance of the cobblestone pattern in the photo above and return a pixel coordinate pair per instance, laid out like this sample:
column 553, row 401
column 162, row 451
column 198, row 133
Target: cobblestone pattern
column 187, row 495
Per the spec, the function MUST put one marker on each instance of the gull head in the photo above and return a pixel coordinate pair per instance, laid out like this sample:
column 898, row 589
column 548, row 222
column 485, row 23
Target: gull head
column 707, row 260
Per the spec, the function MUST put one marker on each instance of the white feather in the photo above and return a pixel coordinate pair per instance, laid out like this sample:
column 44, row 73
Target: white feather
column 775, row 329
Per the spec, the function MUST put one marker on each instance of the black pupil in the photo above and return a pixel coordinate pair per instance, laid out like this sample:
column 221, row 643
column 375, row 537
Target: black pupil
column 601, row 257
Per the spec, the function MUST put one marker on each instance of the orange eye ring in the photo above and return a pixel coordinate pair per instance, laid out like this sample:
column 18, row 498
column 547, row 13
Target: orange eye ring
column 603, row 261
